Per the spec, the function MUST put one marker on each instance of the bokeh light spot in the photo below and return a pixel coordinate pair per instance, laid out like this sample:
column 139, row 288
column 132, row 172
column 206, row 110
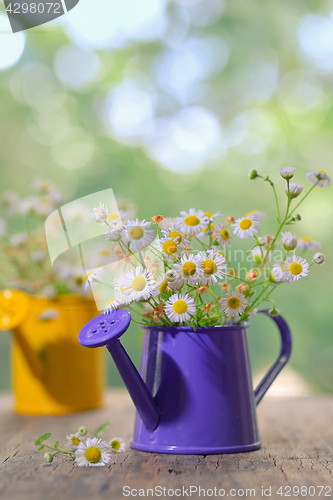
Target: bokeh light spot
column 12, row 44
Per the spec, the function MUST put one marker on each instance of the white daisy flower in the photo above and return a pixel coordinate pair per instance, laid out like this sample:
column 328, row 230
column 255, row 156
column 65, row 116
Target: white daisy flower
column 93, row 275
column 315, row 175
column 111, row 305
column 35, row 204
column 116, row 217
column 177, row 284
column 190, row 269
column 137, row 234
column 167, row 223
column 246, row 227
column 295, row 268
column 73, row 441
column 213, row 265
column 318, row 258
column 100, row 214
column 121, row 291
column 287, row 172
column 170, row 248
column 171, row 279
column 277, row 275
column 138, row 284
column 212, row 217
column 206, row 232
column 222, row 235
column 307, row 243
column 294, row 189
column 118, row 444
column 192, row 222
column 114, row 233
column 233, row 304
column 180, row 307
column 173, row 231
column 94, row 453
column 289, row 241
column 256, row 213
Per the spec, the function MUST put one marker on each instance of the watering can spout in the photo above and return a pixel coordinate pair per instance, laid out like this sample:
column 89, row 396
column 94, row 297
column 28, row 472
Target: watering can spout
column 105, row 330
column 14, row 309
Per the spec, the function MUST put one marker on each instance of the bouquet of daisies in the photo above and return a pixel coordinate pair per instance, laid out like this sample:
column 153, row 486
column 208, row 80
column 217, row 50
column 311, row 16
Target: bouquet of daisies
column 24, row 257
column 183, row 272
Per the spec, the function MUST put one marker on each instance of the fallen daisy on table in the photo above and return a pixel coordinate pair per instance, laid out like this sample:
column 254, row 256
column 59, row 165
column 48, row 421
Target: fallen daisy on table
column 117, row 444
column 87, row 452
column 73, row 441
column 94, row 453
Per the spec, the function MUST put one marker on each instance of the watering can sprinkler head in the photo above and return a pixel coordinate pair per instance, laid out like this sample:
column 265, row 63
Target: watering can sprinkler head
column 105, row 330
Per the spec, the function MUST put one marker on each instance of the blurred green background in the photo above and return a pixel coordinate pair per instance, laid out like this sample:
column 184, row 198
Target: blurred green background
column 170, row 104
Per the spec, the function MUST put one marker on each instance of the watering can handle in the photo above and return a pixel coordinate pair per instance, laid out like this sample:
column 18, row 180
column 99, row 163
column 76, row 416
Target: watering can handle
column 284, row 355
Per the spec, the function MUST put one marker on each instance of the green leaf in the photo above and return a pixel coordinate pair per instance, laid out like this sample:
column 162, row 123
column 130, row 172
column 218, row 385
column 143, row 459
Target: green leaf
column 41, row 448
column 101, row 429
column 56, row 445
column 43, row 438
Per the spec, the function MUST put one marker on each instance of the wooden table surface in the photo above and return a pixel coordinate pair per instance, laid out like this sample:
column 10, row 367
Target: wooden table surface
column 297, row 450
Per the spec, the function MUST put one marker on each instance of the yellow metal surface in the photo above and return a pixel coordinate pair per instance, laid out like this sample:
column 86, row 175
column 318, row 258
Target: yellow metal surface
column 52, row 374
column 14, row 306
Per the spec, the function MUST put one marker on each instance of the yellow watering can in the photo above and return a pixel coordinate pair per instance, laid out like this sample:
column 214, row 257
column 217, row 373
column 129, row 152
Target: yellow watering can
column 52, row 374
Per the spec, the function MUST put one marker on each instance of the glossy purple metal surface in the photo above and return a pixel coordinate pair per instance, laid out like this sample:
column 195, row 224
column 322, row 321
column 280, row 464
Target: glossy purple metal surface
column 195, row 395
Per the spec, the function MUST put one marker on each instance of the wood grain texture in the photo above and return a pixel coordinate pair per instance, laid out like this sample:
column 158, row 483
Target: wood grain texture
column 296, row 435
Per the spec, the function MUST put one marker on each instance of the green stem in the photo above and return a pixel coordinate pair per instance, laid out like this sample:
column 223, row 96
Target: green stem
column 276, row 199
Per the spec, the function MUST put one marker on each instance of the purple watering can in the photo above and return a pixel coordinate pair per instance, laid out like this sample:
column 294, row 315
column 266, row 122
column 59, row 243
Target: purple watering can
column 194, row 392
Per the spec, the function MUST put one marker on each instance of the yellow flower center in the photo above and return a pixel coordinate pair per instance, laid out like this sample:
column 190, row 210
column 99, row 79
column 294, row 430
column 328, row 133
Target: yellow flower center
column 79, row 280
column 251, row 212
column 169, row 247
column 110, row 301
column 163, row 286
column 209, row 267
column 295, row 268
column 124, row 289
column 176, row 235
column 115, row 445
column 234, row 302
column 136, row 233
column 113, row 216
column 89, row 274
column 306, row 238
column 210, row 227
column 245, row 224
column 192, row 220
column 105, row 252
column 179, row 306
column 225, row 234
column 189, row 268
column 208, row 214
column 75, row 441
column 139, row 283
column 322, row 172
column 93, row 454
